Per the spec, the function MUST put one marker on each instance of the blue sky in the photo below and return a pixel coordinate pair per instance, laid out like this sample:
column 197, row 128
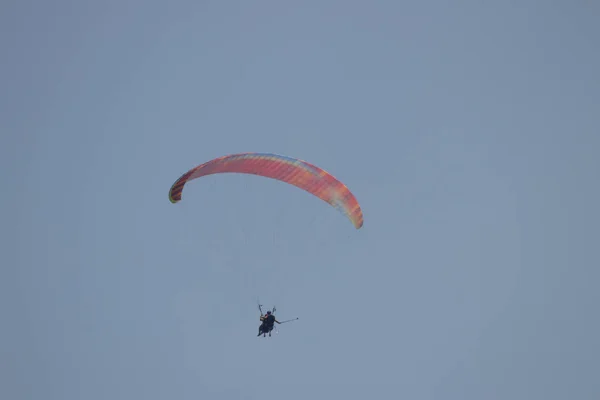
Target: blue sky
column 467, row 130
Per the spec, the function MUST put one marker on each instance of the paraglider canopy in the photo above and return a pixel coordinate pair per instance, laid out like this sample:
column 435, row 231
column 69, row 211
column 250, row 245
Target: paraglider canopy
column 286, row 169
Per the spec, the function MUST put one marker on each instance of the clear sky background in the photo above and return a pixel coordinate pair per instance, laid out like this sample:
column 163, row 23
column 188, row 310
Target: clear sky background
column 468, row 130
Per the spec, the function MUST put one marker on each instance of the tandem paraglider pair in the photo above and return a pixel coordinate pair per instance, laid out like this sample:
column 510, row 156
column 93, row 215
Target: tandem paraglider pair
column 268, row 321
column 294, row 171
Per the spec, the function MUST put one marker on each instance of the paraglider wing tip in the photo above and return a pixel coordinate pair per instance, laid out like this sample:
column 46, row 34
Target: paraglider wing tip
column 176, row 190
column 357, row 220
column 174, row 199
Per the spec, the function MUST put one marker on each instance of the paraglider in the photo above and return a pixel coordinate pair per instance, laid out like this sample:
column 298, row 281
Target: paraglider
column 268, row 321
column 294, row 171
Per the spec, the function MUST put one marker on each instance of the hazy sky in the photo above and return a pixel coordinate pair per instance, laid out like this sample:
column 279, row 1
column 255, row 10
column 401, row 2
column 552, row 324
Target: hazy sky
column 468, row 130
